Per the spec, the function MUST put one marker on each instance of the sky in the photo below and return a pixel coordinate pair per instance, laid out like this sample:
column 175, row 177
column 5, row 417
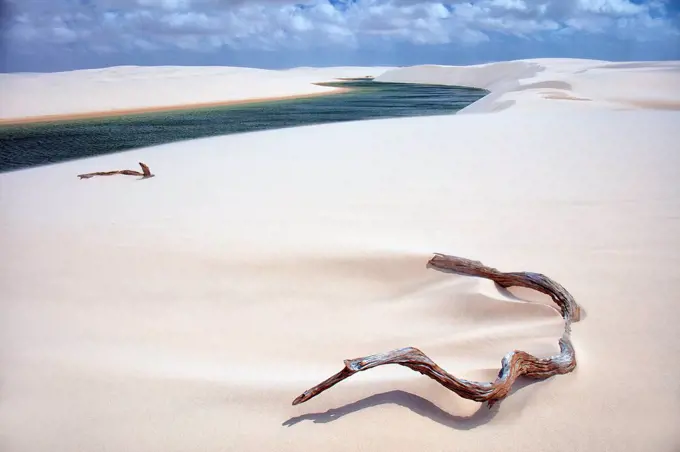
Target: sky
column 60, row 35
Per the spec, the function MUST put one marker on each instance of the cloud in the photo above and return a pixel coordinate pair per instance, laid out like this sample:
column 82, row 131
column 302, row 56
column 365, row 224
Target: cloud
column 281, row 25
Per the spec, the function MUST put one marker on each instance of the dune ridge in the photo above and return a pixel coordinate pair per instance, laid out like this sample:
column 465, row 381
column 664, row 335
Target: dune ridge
column 186, row 311
column 31, row 97
column 527, row 84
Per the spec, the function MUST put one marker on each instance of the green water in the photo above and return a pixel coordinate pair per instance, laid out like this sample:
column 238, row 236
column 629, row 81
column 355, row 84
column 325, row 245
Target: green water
column 29, row 145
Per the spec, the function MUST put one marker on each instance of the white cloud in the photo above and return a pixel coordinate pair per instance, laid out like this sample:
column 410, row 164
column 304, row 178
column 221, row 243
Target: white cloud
column 64, row 34
column 516, row 5
column 279, row 24
column 614, row 7
column 165, row 4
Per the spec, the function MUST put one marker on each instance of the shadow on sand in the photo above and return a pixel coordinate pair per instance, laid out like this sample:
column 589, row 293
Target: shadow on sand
column 416, row 404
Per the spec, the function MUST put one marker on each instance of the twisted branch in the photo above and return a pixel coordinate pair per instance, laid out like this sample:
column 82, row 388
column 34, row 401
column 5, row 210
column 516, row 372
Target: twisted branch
column 514, row 365
column 145, row 174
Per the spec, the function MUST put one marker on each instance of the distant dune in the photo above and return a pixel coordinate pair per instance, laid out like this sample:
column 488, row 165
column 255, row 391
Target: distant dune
column 185, row 312
column 131, row 89
column 527, row 83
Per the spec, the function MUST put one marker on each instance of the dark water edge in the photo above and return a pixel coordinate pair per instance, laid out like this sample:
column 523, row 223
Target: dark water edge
column 30, row 145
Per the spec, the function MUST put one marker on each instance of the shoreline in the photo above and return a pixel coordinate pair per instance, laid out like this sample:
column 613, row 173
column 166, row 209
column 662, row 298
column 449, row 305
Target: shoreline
column 168, row 108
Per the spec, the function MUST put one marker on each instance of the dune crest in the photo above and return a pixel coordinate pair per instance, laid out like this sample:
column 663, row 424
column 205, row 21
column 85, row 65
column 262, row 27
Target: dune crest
column 526, row 84
column 136, row 89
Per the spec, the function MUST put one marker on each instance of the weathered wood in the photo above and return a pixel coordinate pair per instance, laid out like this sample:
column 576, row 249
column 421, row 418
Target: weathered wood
column 145, row 174
column 513, row 365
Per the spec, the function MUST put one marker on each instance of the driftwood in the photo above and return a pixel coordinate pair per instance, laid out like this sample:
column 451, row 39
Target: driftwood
column 145, row 174
column 515, row 364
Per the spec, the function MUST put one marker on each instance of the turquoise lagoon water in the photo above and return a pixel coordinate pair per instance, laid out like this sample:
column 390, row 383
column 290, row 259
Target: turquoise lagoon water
column 29, row 145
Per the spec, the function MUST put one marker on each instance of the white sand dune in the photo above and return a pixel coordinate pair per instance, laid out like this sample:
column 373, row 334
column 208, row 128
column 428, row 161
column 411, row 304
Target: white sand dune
column 124, row 88
column 576, row 84
column 187, row 311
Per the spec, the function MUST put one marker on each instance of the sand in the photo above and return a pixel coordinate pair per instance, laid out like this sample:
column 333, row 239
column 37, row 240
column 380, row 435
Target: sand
column 120, row 90
column 526, row 84
column 157, row 109
column 187, row 311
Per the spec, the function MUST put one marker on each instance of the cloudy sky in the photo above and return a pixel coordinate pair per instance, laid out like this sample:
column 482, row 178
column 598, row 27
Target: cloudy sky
column 55, row 35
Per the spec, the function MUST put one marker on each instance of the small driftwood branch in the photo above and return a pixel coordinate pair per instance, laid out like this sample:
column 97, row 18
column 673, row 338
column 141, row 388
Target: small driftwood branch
column 514, row 365
column 145, row 174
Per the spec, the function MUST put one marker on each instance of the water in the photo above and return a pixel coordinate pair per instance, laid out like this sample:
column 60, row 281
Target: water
column 29, row 145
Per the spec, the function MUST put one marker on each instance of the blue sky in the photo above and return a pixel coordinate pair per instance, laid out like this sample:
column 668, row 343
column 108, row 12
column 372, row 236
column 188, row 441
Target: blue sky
column 57, row 35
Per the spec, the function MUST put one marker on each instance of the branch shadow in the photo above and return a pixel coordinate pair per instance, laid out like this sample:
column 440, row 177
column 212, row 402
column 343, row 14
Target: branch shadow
column 416, row 404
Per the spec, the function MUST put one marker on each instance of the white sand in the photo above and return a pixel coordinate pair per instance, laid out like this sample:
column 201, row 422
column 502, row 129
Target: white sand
column 185, row 312
column 575, row 84
column 140, row 87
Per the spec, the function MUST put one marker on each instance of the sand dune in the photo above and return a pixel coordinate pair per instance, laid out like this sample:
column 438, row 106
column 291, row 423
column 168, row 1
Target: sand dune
column 187, row 311
column 129, row 89
column 527, row 83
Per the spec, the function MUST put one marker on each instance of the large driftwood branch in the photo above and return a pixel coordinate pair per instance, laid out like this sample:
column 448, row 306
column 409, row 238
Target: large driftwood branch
column 514, row 365
column 146, row 173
